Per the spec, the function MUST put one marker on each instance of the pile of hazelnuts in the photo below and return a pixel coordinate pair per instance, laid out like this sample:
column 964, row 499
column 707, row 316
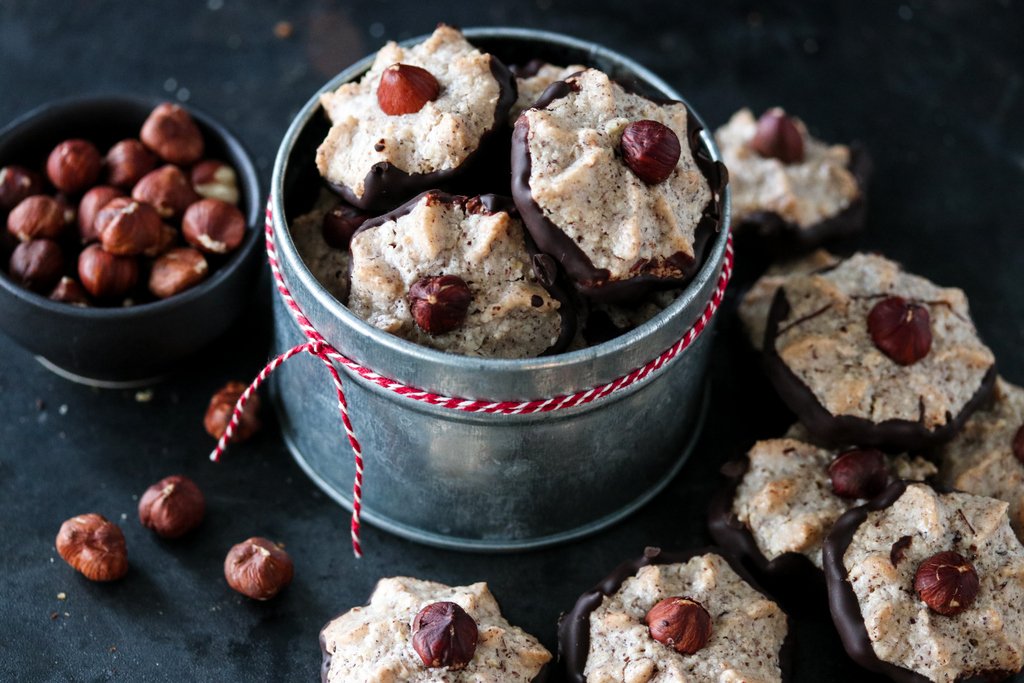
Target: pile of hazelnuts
column 149, row 219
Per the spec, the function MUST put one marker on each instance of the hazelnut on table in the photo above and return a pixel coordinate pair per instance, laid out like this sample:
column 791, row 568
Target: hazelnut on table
column 222, row 404
column 93, row 546
column 258, row 568
column 172, row 507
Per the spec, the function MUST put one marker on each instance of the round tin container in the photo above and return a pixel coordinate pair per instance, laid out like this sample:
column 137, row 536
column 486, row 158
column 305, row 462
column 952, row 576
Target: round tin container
column 486, row 482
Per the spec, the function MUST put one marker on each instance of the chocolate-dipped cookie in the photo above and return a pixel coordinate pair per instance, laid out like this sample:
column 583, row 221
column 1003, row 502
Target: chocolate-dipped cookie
column 426, row 632
column 532, row 79
column 458, row 274
column 418, row 119
column 677, row 616
column 788, row 188
column 616, row 187
column 866, row 353
column 927, row 586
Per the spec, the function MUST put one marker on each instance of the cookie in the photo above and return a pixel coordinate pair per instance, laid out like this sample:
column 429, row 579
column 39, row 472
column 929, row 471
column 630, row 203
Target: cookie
column 926, row 586
column 615, row 186
column 866, row 353
column 494, row 301
column 328, row 263
column 387, row 640
column 446, row 100
column 987, row 457
column 789, row 188
column 532, row 79
column 724, row 627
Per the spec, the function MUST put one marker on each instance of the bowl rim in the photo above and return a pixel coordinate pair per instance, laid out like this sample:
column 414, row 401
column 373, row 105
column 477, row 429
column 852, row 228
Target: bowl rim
column 248, row 177
column 416, row 353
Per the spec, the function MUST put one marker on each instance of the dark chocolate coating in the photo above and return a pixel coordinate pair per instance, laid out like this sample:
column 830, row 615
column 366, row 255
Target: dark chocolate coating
column 386, row 186
column 491, row 204
column 893, row 435
column 574, row 627
column 843, row 603
column 589, row 280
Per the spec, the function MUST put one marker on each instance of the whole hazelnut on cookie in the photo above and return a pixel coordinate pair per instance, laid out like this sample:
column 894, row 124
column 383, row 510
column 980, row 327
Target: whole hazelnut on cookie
column 172, row 507
column 104, row 275
column 74, row 165
column 901, row 329
column 170, row 132
column 681, row 623
column 167, row 190
column 36, row 264
column 651, row 150
column 258, row 568
column 222, row 404
column 439, row 304
column 405, row 88
column 36, row 216
column 947, row 583
column 777, row 137
column 859, row 473
column 127, row 162
column 213, row 226
column 93, row 546
column 444, row 635
column 127, row 227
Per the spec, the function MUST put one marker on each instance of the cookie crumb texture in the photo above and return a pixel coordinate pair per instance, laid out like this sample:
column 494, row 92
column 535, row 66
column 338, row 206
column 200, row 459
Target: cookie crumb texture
column 511, row 314
column 986, row 638
column 327, row 264
column 786, row 498
column 580, row 183
column 824, row 341
column 438, row 137
column 747, row 632
column 980, row 460
column 805, row 193
column 373, row 644
column 530, row 88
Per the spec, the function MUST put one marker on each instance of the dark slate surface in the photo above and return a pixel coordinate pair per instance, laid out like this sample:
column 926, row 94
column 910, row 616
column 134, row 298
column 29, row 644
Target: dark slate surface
column 936, row 91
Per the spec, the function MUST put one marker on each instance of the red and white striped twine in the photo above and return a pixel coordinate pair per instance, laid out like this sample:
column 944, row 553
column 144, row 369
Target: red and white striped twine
column 319, row 347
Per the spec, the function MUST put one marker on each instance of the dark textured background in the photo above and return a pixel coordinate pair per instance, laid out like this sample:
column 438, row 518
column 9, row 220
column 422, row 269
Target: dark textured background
column 933, row 89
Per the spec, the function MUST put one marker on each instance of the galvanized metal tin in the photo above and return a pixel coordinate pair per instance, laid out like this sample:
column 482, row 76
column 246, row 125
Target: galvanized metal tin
column 480, row 481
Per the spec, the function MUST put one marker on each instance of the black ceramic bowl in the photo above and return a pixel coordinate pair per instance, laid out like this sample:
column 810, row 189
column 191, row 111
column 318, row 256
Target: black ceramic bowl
column 135, row 345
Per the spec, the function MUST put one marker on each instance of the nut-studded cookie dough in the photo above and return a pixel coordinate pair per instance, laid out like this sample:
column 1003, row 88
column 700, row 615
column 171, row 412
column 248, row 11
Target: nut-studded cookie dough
column 866, row 353
column 456, row 274
column 788, row 186
column 783, row 499
column 533, row 79
column 422, row 632
column 414, row 121
column 675, row 617
column 987, row 457
column 328, row 263
column 926, row 586
column 615, row 186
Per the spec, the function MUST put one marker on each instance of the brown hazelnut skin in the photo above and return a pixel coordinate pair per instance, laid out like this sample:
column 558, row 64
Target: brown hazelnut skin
column 404, row 89
column 947, row 583
column 901, row 329
column 651, row 150
column 444, row 635
column 681, row 623
column 177, row 270
column 859, row 473
column 167, row 190
column 74, row 165
column 170, row 132
column 128, row 227
column 213, row 226
column 127, row 161
column 69, row 291
column 222, row 405
column 340, row 223
column 215, row 180
column 17, row 183
column 777, row 137
column 439, row 304
column 92, row 201
column 37, row 264
column 36, row 216
column 94, row 546
column 258, row 568
column 106, row 276
column 1018, row 444
column 168, row 238
column 172, row 507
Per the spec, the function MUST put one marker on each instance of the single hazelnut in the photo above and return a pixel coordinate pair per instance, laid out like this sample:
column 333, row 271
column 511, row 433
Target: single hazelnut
column 168, row 238
column 213, row 226
column 222, row 405
column 215, row 180
column 172, row 507
column 258, row 568
column 651, row 150
column 93, row 546
column 859, row 473
column 69, row 291
column 167, row 190
column 1018, row 444
column 901, row 329
column 74, row 165
column 104, row 275
column 681, row 623
column 170, row 132
column 127, row 162
column 777, row 137
column 37, row 264
column 177, row 270
column 92, row 201
column 444, row 635
column 128, row 227
column 340, row 223
column 36, row 216
column 947, row 583
column 439, row 304
column 17, row 183
column 404, row 89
